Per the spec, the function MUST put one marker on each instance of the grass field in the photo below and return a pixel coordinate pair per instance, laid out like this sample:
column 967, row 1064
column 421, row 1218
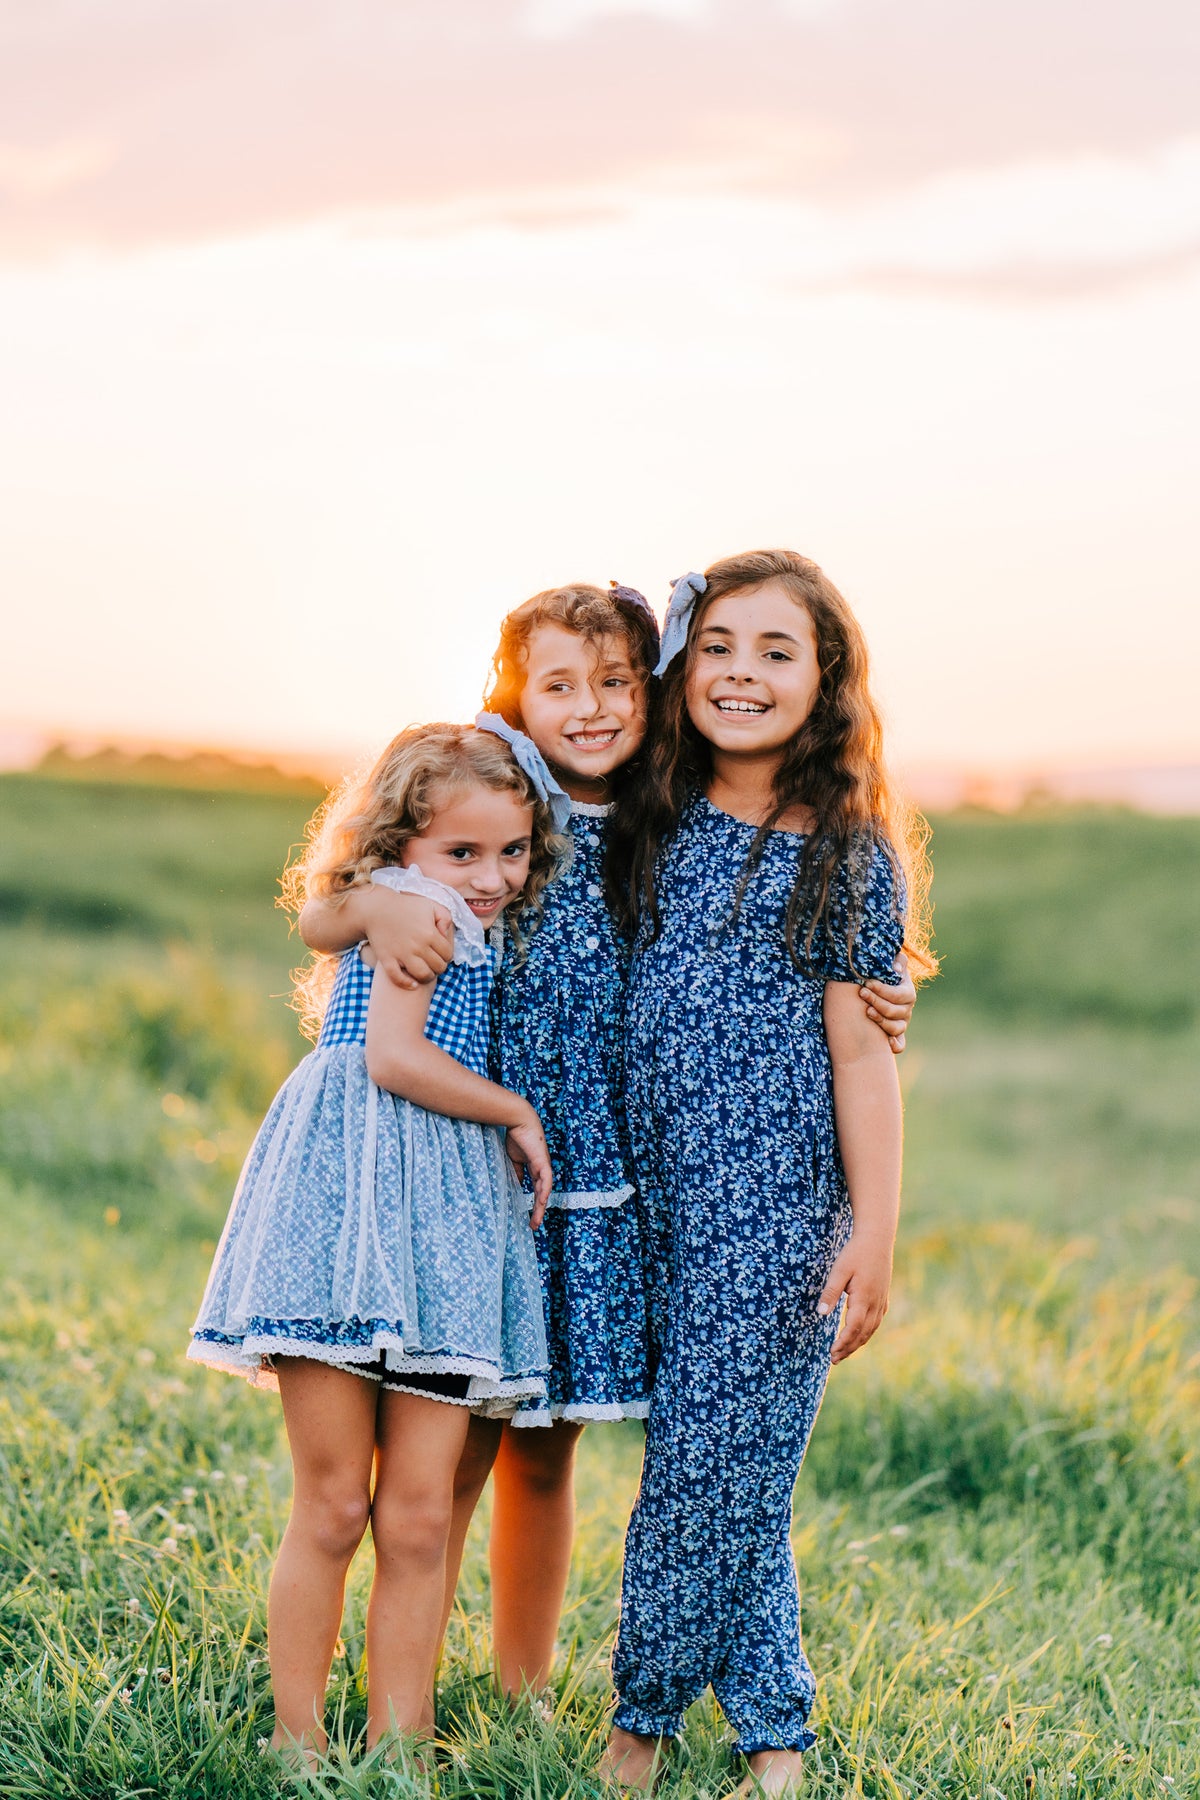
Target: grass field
column 996, row 1523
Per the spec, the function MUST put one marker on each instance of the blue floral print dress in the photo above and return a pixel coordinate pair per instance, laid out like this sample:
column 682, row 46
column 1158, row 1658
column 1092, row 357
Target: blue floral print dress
column 560, row 1020
column 371, row 1234
column 730, row 1102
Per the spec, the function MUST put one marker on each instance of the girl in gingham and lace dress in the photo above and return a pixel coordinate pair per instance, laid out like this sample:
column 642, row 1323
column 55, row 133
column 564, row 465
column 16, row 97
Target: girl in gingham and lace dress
column 377, row 1266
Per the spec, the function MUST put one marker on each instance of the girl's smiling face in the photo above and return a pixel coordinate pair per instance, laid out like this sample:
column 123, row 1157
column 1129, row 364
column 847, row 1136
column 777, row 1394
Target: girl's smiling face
column 478, row 844
column 583, row 704
column 754, row 672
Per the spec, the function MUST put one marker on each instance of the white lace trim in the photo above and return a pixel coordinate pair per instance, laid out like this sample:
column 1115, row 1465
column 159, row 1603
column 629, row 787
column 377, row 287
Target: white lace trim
column 255, row 1365
column 568, row 1202
column 500, row 1404
column 252, row 1358
column 584, row 1413
column 470, row 944
column 588, row 809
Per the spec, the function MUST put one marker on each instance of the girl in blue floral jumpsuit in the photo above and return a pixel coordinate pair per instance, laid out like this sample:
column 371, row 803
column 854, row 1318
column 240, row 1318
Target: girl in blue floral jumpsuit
column 765, row 1123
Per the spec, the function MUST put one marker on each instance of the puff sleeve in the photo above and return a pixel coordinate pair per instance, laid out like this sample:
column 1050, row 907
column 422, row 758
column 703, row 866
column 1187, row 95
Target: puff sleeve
column 470, row 943
column 867, row 902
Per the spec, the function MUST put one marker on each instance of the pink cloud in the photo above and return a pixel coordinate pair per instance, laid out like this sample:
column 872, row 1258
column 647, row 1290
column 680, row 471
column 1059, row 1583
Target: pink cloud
column 215, row 118
column 1023, row 282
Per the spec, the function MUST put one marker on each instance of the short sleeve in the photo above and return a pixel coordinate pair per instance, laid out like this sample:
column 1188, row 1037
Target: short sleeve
column 868, row 905
column 470, row 944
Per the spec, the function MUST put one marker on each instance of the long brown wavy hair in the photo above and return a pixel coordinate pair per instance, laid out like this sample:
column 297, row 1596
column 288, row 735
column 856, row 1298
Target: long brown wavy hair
column 365, row 823
column 833, row 766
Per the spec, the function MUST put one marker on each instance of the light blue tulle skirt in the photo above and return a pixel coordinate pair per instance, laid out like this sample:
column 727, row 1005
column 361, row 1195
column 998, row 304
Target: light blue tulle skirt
column 368, row 1233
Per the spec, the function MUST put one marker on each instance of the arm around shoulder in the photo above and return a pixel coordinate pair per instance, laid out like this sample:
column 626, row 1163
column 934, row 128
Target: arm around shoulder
column 331, row 926
column 411, row 938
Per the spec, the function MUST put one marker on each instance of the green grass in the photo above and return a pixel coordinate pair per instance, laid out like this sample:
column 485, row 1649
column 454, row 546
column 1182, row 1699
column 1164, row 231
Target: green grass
column 1069, row 917
column 97, row 860
column 996, row 1521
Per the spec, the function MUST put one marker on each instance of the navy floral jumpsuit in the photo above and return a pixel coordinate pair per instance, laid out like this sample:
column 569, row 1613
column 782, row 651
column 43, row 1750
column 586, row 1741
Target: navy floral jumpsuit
column 730, row 1104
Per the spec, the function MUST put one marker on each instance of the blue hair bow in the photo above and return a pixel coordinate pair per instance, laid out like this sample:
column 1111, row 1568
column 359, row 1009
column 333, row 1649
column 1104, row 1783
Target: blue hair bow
column 532, row 763
column 684, row 595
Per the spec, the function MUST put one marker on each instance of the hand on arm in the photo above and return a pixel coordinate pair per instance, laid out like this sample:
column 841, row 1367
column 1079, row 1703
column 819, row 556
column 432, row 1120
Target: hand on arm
column 401, row 1059
column 866, row 1100
column 412, row 939
column 891, row 1008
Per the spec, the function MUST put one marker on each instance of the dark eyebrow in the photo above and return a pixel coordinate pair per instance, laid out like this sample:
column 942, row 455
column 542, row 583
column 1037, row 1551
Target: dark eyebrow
column 783, row 637
column 616, row 662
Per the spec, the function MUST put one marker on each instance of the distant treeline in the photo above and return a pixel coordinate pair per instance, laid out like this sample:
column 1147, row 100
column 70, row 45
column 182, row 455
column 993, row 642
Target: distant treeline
column 209, row 769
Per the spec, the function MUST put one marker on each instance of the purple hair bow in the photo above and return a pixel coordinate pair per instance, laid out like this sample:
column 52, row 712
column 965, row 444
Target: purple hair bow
column 631, row 597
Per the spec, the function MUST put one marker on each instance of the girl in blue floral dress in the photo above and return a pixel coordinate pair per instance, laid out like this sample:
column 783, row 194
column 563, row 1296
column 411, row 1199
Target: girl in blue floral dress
column 573, row 670
column 771, row 875
column 377, row 1266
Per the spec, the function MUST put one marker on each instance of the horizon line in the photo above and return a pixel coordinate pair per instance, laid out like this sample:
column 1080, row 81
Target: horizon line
column 1161, row 784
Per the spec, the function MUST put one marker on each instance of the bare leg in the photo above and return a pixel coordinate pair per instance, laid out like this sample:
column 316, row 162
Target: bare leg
column 470, row 1479
column 773, row 1772
column 533, row 1523
column 419, row 1444
column 330, row 1419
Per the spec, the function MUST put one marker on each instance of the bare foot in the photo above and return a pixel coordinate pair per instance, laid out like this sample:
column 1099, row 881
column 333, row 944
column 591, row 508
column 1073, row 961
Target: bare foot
column 406, row 1752
column 299, row 1756
column 772, row 1772
column 631, row 1762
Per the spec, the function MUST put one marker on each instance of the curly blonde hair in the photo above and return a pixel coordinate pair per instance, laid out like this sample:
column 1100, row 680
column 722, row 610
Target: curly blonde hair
column 365, row 823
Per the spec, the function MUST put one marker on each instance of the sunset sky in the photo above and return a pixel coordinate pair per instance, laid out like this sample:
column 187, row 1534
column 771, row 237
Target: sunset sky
column 331, row 329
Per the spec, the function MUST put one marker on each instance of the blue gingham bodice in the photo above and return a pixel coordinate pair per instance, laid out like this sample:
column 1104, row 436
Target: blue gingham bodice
column 458, row 1020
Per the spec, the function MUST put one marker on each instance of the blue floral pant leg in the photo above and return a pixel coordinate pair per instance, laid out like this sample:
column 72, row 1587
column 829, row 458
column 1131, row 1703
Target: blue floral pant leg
column 729, row 1097
column 709, row 1592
